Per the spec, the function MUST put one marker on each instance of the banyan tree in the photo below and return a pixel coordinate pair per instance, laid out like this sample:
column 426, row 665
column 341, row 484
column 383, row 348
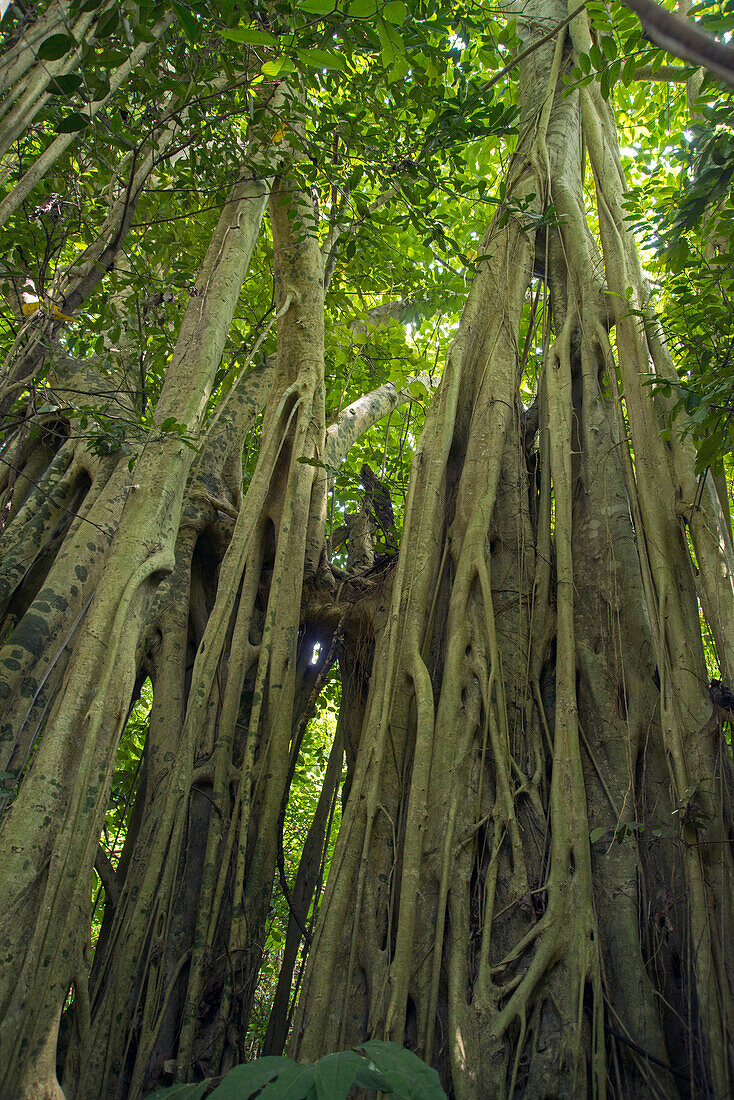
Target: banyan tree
column 531, row 884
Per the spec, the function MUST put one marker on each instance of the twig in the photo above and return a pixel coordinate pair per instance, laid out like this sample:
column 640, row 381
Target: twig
column 534, row 46
column 646, row 1053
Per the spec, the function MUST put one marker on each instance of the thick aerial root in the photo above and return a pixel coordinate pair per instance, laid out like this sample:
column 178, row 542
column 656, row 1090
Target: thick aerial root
column 686, row 724
column 71, row 771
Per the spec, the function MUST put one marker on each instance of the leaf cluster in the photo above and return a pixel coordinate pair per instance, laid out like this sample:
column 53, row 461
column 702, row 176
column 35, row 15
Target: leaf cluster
column 387, row 1067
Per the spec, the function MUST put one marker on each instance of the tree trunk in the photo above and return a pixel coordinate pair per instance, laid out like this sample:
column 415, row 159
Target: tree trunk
column 114, row 558
column 513, row 706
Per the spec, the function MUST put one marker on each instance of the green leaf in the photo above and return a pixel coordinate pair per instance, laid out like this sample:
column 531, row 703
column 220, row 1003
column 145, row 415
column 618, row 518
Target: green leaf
column 370, row 1077
column 110, row 58
column 395, row 12
column 323, row 59
column 248, row 36
column 354, row 177
column 393, row 51
column 72, row 123
column 54, row 47
column 107, row 23
column 278, row 67
column 596, row 834
column 362, row 9
column 64, row 85
column 100, row 88
column 243, row 1081
column 609, row 47
column 410, row 1078
column 318, row 7
column 334, row 1074
column 418, row 389
column 315, row 462
column 605, row 85
column 190, row 25
column 707, row 453
column 294, row 1083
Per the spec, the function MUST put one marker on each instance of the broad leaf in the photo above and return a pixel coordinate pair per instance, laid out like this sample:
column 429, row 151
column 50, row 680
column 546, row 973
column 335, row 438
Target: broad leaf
column 54, row 47
column 323, row 59
column 107, row 22
column 336, row 1073
column 243, row 1081
column 249, row 36
column 65, row 85
column 295, row 1083
column 279, row 67
column 411, row 1078
column 318, row 7
column 72, row 123
column 363, row 9
column 395, row 12
column 180, row 1092
column 370, row 1077
column 393, row 51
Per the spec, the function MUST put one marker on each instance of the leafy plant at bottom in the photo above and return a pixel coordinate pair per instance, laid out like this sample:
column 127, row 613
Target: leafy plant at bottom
column 375, row 1065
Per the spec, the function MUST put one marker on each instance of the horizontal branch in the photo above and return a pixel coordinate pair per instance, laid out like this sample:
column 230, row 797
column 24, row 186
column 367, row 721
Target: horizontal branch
column 666, row 74
column 684, row 39
column 362, row 414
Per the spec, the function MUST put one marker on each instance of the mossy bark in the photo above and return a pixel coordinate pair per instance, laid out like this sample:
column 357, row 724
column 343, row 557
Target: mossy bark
column 513, row 704
column 50, row 833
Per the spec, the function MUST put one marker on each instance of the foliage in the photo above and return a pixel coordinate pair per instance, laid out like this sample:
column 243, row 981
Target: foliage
column 392, row 1069
column 361, row 147
column 690, row 234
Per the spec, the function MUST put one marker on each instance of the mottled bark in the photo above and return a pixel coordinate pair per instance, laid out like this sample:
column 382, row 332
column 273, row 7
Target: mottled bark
column 50, row 834
column 541, row 675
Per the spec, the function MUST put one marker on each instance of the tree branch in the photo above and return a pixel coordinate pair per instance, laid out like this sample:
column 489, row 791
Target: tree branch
column 360, row 416
column 666, row 74
column 515, row 61
column 107, row 876
column 684, row 39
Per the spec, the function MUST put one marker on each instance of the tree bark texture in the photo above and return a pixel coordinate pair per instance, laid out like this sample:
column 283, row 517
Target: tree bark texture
column 512, row 708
